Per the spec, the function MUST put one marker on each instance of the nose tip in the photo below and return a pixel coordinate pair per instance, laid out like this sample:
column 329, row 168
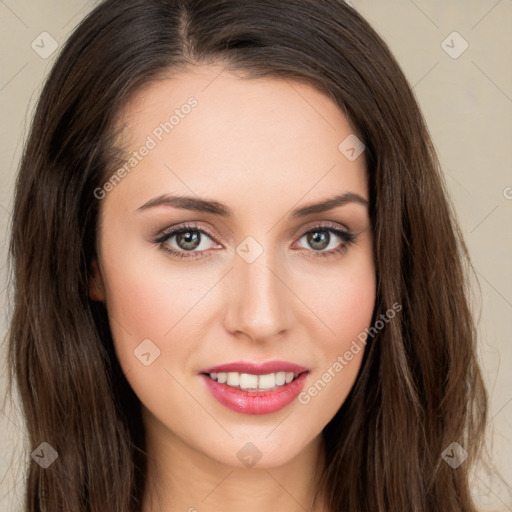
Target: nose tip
column 259, row 301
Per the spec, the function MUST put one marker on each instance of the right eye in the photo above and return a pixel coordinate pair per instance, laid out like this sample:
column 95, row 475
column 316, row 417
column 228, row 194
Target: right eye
column 184, row 239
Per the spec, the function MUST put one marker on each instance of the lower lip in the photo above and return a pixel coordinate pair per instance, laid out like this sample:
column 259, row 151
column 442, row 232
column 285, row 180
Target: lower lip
column 256, row 402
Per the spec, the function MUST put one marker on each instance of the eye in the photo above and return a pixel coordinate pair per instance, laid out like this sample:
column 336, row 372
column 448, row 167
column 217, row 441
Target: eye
column 190, row 241
column 185, row 239
column 323, row 237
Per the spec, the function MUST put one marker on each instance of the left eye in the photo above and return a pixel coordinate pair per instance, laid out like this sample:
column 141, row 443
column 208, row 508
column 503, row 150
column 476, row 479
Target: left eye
column 320, row 239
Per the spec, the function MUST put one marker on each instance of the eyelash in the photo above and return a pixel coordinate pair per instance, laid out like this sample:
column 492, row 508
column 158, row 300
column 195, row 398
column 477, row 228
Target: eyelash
column 347, row 238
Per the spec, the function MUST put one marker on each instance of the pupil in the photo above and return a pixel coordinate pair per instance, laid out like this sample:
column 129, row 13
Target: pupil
column 190, row 240
column 319, row 239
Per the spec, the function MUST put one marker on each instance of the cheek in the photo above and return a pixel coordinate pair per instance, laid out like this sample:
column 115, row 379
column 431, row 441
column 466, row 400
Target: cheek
column 147, row 294
column 343, row 298
column 345, row 307
column 349, row 307
column 151, row 301
column 154, row 300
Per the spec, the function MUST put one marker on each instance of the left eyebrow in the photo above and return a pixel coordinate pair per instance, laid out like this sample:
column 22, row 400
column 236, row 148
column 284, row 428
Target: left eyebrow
column 203, row 205
column 329, row 204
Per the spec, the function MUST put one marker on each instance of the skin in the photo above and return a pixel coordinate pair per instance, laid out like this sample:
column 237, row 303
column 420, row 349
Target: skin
column 262, row 147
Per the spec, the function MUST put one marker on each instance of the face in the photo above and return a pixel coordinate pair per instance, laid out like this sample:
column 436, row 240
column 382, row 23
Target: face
column 251, row 277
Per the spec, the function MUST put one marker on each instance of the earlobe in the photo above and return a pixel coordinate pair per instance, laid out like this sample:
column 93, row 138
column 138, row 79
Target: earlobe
column 96, row 288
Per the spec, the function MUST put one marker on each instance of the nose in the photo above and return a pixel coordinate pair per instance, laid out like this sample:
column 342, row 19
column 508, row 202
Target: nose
column 259, row 302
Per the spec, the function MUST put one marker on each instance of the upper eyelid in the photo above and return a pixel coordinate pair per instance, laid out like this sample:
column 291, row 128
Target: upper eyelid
column 168, row 233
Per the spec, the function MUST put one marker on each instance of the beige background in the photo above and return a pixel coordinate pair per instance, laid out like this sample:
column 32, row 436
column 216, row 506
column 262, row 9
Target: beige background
column 467, row 102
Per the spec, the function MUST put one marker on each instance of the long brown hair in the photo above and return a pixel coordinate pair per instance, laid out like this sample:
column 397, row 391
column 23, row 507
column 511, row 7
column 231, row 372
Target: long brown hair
column 419, row 388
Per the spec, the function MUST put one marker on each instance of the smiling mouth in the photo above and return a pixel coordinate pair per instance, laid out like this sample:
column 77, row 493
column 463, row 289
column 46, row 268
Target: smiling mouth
column 252, row 382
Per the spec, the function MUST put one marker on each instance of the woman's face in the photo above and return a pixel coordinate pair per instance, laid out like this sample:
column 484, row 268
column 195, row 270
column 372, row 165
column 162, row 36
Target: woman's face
column 244, row 283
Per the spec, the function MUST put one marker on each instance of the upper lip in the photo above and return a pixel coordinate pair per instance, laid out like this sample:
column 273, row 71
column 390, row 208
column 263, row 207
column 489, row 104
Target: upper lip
column 257, row 368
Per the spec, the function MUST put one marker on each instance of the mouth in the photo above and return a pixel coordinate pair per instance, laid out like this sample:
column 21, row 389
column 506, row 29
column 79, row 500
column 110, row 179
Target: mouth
column 253, row 382
column 252, row 388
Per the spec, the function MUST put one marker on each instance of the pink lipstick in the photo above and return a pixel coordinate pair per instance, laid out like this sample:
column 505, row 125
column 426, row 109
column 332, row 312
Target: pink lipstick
column 255, row 388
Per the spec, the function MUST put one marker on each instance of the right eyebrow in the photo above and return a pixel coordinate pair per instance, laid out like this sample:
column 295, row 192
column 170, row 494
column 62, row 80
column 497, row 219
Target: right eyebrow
column 188, row 203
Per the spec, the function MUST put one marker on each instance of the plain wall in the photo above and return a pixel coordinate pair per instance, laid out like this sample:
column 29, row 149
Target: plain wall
column 467, row 103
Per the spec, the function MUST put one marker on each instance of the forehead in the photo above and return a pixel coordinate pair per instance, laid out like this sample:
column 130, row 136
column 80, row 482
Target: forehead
column 216, row 133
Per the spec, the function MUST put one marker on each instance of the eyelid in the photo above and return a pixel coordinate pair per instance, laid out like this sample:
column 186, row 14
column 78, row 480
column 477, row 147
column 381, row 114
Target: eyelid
column 322, row 224
column 164, row 235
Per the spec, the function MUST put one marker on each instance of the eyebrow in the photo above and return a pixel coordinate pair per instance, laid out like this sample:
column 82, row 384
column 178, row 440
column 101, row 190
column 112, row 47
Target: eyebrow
column 216, row 208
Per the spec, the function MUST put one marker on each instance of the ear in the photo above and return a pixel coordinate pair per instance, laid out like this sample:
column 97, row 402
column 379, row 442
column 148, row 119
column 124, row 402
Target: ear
column 96, row 288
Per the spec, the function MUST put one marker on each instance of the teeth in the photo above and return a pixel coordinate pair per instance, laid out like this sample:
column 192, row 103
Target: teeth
column 233, row 379
column 268, row 381
column 255, row 382
column 247, row 381
column 281, row 378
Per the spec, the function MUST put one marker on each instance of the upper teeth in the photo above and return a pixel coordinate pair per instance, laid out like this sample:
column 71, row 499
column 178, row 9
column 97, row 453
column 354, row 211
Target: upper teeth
column 249, row 381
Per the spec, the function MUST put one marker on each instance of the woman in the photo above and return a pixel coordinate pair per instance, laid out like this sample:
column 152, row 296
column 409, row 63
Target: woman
column 239, row 282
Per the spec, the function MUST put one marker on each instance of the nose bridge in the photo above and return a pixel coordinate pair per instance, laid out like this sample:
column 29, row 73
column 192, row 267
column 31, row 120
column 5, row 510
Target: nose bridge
column 259, row 300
